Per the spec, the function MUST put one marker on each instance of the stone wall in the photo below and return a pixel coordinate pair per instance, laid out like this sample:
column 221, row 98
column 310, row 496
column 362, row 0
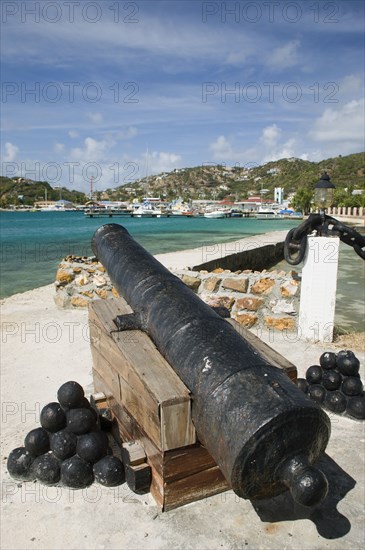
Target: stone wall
column 79, row 280
column 263, row 298
column 254, row 298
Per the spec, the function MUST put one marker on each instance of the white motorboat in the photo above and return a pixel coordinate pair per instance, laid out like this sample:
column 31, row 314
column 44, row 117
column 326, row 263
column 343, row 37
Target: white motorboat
column 214, row 214
column 267, row 214
column 146, row 210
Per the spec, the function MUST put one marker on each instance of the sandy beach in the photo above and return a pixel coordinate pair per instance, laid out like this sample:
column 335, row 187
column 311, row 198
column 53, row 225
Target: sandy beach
column 42, row 347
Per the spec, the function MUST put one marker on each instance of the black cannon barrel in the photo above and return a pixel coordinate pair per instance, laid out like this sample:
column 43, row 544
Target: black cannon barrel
column 262, row 431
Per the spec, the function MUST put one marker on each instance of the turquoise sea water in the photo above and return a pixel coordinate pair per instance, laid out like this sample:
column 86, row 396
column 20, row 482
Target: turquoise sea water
column 32, row 243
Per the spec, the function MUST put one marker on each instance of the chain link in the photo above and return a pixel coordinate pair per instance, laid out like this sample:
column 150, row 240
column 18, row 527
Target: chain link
column 296, row 239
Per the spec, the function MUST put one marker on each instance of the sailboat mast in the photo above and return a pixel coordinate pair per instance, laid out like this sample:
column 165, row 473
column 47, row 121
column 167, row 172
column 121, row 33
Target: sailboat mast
column 147, row 172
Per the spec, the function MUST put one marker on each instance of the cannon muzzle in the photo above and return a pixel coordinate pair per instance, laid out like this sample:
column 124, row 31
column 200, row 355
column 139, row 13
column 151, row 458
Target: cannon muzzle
column 262, row 431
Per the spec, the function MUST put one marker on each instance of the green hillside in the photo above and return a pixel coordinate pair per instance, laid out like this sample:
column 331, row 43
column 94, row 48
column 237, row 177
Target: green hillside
column 237, row 183
column 18, row 191
column 212, row 182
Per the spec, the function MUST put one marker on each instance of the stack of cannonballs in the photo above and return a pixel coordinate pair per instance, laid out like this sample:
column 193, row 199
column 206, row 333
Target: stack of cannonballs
column 69, row 448
column 336, row 384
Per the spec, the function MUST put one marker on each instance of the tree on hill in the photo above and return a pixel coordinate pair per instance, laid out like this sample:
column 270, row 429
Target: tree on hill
column 302, row 200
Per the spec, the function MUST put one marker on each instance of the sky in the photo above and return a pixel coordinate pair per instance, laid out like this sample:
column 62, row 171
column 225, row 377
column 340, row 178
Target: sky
column 117, row 90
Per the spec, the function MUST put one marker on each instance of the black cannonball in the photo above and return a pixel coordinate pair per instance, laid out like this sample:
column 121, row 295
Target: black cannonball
column 316, row 392
column 53, row 417
column 37, row 442
column 302, row 384
column 347, row 363
column 19, row 464
column 63, row 444
column 80, row 421
column 85, row 403
column 47, row 469
column 76, row 473
column 314, row 374
column 109, row 471
column 335, row 401
column 92, row 446
column 356, row 406
column 331, row 380
column 95, row 414
column 328, row 360
column 71, row 395
column 352, row 385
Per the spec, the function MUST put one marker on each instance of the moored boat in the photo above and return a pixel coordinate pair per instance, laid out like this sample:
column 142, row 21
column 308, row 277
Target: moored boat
column 215, row 214
column 267, row 214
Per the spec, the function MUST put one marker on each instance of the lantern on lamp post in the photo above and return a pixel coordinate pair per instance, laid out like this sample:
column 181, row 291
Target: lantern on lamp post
column 324, row 193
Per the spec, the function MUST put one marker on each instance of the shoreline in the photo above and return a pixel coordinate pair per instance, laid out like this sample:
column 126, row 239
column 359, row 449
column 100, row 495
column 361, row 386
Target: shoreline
column 191, row 258
column 186, row 258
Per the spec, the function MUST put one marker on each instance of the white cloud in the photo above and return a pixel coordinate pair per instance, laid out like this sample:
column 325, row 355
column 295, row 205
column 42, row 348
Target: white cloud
column 11, row 152
column 270, row 135
column 352, row 85
column 340, row 124
column 154, row 36
column 284, row 56
column 58, row 147
column 267, row 147
column 222, row 149
column 129, row 133
column 95, row 118
column 226, row 152
column 94, row 151
column 162, row 162
column 73, row 134
column 287, row 149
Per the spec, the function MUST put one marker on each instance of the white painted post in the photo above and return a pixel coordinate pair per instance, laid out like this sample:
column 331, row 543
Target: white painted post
column 318, row 289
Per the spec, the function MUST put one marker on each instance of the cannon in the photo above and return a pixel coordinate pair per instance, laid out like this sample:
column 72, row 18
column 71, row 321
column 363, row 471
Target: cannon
column 264, row 433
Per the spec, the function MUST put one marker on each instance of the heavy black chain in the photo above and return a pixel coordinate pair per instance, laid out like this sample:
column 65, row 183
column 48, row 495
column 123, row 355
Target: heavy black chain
column 321, row 225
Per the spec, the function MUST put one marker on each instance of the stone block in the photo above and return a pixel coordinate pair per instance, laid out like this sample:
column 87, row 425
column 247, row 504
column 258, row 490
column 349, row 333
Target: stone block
column 289, row 288
column 115, row 292
column 218, row 270
column 82, row 279
column 282, row 306
column 100, row 280
column 247, row 320
column 64, row 277
column 79, row 301
column 211, row 283
column 87, row 293
column 252, row 304
column 263, row 286
column 280, row 323
column 239, row 284
column 62, row 299
column 191, row 282
column 219, row 301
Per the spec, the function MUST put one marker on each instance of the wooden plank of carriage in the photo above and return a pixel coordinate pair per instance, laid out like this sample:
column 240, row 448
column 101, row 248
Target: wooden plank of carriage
column 179, row 476
column 272, row 356
column 140, row 378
